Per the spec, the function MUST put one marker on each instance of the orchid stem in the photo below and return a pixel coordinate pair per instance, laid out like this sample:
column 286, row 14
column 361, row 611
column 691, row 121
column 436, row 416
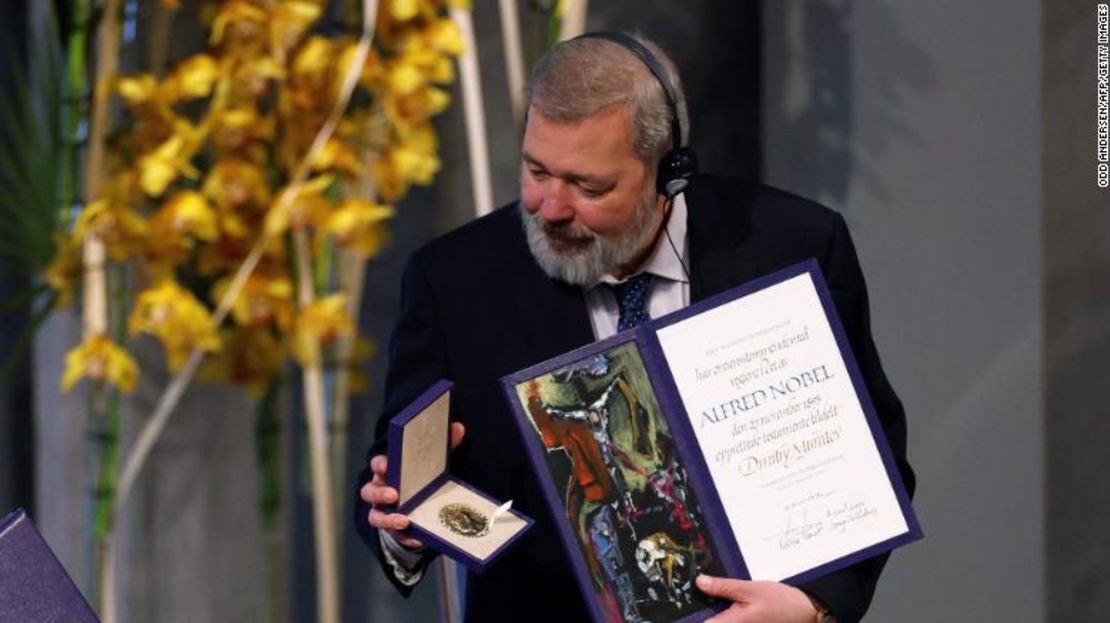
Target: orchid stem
column 94, row 282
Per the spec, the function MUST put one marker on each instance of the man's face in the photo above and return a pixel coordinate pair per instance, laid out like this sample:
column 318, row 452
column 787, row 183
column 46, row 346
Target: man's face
column 589, row 204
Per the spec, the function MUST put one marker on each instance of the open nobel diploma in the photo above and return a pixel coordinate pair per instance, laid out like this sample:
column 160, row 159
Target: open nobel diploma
column 734, row 437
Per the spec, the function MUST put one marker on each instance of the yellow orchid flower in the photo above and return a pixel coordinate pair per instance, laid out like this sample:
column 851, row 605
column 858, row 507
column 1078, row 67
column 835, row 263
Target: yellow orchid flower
column 137, row 89
column 430, row 51
column 227, row 252
column 440, row 38
column 192, row 78
column 311, row 86
column 422, row 139
column 183, row 218
column 440, row 69
column 159, row 168
column 239, row 189
column 236, row 184
column 121, row 229
column 308, row 207
column 405, row 78
column 403, row 10
column 252, row 77
column 373, row 70
column 98, row 358
column 154, row 124
column 314, row 58
column 443, row 35
column 338, row 156
column 237, row 225
column 223, row 254
column 250, row 358
column 245, row 112
column 237, row 129
column 391, row 185
column 179, row 321
column 65, row 270
column 359, row 225
column 317, row 326
column 240, row 23
column 288, row 21
column 266, row 297
column 410, row 112
column 413, row 161
column 186, row 213
column 418, row 166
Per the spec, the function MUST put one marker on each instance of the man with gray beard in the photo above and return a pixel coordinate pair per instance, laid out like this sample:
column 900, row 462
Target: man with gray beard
column 609, row 198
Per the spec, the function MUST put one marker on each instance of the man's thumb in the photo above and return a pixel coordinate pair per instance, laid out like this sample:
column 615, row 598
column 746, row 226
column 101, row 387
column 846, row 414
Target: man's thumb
column 733, row 590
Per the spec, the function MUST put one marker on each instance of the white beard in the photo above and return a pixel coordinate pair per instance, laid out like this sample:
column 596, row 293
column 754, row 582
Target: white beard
column 577, row 255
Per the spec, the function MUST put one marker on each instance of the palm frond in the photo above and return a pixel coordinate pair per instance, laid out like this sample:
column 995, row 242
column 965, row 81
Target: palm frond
column 31, row 150
column 31, row 160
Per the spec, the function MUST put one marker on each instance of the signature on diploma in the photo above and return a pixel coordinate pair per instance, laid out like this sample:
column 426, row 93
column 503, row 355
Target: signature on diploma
column 799, row 527
column 798, row 530
column 840, row 517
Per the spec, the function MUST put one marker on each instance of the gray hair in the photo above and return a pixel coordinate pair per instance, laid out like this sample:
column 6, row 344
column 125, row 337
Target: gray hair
column 580, row 77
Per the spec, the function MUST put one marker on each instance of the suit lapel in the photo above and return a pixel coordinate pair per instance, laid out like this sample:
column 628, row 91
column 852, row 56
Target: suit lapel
column 558, row 320
column 722, row 254
column 549, row 315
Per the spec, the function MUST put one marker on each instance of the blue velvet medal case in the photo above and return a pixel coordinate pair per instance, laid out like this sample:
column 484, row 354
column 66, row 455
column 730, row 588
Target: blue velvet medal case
column 443, row 510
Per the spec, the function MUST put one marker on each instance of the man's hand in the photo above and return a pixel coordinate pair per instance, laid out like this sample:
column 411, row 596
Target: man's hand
column 377, row 493
column 758, row 602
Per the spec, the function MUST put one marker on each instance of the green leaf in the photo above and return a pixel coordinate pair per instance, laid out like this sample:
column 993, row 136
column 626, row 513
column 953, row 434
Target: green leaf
column 31, row 150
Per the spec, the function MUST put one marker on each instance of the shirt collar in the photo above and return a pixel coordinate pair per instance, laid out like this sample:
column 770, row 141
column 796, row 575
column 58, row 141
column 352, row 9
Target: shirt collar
column 663, row 262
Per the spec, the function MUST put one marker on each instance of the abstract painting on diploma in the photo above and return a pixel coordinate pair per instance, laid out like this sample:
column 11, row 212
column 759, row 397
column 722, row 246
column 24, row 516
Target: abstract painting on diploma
column 627, row 498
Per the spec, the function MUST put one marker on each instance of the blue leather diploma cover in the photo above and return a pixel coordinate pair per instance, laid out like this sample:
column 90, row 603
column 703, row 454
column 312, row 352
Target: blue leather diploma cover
column 734, row 437
column 33, row 584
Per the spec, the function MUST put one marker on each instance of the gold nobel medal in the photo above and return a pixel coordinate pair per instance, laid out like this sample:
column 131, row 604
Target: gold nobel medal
column 463, row 520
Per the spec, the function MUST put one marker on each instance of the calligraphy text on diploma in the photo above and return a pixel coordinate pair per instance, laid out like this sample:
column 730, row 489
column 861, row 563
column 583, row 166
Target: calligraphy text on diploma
column 782, row 431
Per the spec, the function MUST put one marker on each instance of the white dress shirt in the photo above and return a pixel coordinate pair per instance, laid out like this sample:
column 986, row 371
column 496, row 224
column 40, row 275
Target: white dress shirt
column 670, row 285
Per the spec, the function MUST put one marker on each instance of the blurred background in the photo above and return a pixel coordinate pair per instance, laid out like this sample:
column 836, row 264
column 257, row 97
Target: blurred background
column 958, row 139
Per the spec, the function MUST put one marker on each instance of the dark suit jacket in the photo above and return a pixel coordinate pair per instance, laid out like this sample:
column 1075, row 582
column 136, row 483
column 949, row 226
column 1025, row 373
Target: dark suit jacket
column 475, row 307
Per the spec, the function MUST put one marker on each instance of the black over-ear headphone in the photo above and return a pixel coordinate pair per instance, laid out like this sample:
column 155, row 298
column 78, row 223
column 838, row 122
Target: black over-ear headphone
column 679, row 164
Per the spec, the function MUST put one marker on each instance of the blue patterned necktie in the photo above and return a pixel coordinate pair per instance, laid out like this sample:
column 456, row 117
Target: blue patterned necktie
column 632, row 297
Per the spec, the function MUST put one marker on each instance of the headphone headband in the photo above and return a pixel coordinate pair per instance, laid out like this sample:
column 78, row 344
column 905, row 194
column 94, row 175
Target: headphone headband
column 653, row 64
column 678, row 165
